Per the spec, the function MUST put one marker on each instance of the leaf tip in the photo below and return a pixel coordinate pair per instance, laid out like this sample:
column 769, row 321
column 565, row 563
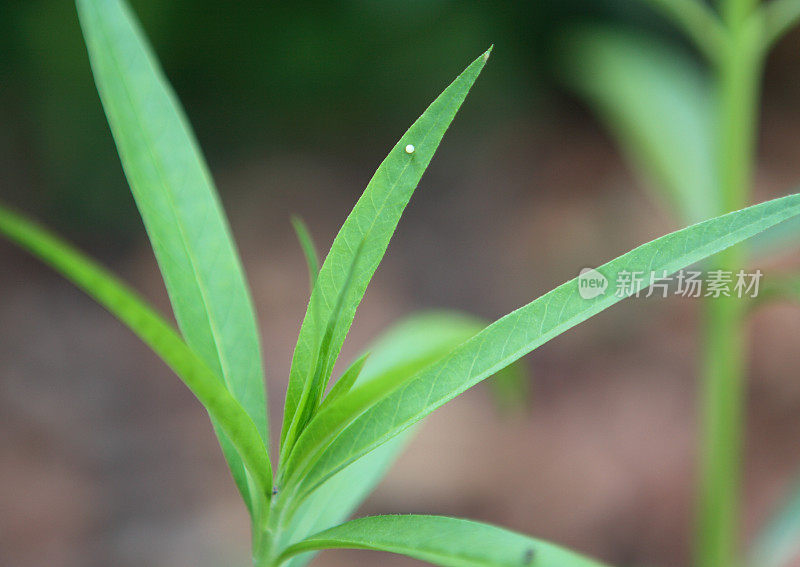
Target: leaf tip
column 487, row 53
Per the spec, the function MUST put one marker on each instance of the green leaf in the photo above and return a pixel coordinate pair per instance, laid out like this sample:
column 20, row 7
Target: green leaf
column 366, row 417
column 309, row 250
column 779, row 542
column 699, row 22
column 323, row 365
column 336, row 499
column 398, row 354
column 423, row 338
column 779, row 16
column 368, row 228
column 774, row 242
column 346, row 381
column 450, row 542
column 129, row 308
column 417, row 341
column 179, row 206
column 658, row 103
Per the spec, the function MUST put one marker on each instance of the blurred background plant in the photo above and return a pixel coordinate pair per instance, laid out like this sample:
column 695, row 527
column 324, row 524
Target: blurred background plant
column 313, row 97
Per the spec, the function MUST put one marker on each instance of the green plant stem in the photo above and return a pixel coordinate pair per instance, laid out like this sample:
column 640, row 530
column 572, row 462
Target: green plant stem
column 267, row 542
column 263, row 543
column 697, row 21
column 723, row 363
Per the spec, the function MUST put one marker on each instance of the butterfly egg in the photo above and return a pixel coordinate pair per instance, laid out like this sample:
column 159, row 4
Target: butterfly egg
column 410, row 149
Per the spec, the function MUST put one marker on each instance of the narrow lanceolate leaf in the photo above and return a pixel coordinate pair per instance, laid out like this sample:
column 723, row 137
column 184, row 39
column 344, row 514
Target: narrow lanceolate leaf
column 398, row 354
column 417, row 341
column 346, row 381
column 323, row 365
column 783, row 239
column 179, row 206
column 366, row 417
column 424, row 338
column 440, row 540
column 779, row 542
column 309, row 250
column 368, row 228
column 658, row 103
column 129, row 308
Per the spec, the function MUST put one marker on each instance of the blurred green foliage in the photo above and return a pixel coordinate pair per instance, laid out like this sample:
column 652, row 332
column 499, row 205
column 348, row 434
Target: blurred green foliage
column 255, row 77
column 261, row 78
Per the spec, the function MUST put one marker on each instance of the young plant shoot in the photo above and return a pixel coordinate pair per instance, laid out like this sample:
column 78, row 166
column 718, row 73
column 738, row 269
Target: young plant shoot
column 333, row 448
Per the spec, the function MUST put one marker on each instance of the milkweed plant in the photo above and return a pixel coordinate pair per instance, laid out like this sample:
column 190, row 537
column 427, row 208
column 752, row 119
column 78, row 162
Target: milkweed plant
column 337, row 441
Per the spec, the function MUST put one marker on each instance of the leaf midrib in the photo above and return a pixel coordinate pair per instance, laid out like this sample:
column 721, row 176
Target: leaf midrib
column 389, row 195
column 379, row 211
column 221, row 357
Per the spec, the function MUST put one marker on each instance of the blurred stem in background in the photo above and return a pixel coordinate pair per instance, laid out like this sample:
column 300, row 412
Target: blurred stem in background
column 737, row 70
column 692, row 130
